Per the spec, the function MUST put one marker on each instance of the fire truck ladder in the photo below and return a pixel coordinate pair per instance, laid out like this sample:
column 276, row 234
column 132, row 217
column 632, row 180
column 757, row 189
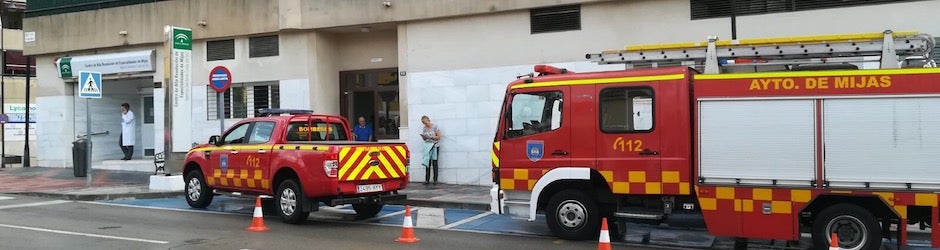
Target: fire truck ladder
column 787, row 53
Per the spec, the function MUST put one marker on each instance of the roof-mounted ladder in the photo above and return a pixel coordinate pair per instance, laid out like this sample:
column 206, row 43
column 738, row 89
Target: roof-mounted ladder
column 770, row 54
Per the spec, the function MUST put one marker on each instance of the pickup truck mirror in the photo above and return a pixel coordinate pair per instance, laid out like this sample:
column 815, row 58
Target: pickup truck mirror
column 215, row 140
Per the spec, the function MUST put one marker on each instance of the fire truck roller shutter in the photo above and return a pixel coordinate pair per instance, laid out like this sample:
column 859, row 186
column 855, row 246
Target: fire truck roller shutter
column 885, row 142
column 760, row 142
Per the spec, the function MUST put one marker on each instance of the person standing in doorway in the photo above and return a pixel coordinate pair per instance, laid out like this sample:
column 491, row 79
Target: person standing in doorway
column 432, row 136
column 127, row 131
column 362, row 131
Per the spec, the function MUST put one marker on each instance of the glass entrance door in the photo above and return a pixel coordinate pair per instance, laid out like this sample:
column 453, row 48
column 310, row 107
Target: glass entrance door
column 372, row 94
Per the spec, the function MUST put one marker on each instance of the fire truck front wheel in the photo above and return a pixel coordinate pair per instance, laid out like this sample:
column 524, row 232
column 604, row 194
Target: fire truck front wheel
column 573, row 215
column 290, row 200
column 198, row 195
column 856, row 228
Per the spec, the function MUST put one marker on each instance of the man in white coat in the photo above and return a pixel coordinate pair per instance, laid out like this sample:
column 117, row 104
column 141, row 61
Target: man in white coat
column 127, row 131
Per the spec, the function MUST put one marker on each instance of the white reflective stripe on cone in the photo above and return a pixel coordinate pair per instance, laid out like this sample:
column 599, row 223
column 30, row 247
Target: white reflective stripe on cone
column 408, row 222
column 605, row 237
column 258, row 212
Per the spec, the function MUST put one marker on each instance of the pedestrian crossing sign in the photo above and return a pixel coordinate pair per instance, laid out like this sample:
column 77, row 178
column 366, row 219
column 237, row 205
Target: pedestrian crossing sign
column 89, row 84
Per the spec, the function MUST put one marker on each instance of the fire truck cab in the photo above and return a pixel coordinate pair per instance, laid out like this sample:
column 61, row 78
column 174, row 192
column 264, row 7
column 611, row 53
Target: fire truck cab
column 759, row 154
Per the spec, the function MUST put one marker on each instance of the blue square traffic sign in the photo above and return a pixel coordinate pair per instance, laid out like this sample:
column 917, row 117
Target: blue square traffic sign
column 89, row 84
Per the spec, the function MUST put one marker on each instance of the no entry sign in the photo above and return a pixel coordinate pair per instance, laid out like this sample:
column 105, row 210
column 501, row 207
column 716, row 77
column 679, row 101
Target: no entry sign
column 220, row 79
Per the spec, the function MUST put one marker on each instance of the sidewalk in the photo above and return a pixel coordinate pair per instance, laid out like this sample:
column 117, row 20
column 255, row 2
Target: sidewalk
column 60, row 183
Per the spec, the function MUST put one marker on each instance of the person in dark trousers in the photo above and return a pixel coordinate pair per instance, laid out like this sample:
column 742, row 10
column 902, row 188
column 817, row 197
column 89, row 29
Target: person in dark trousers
column 432, row 136
column 363, row 131
column 126, row 140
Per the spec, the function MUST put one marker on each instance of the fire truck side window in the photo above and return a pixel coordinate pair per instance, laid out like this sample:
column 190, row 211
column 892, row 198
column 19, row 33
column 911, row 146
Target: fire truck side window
column 236, row 135
column 261, row 133
column 626, row 110
column 533, row 113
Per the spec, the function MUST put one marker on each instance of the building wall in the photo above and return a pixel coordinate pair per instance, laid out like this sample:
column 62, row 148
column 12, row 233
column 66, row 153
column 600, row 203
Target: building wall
column 457, row 56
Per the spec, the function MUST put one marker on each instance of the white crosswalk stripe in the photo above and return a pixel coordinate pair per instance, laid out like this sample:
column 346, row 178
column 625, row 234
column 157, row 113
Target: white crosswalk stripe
column 5, row 198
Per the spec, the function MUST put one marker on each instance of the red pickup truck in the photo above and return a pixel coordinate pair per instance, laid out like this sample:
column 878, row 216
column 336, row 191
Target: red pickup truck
column 300, row 159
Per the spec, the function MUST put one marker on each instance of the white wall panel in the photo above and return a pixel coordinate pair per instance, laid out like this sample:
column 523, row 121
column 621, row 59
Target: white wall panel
column 890, row 140
column 757, row 141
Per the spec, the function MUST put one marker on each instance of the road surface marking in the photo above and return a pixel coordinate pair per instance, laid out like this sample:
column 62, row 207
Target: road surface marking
column 430, row 218
column 161, row 208
column 84, row 234
column 5, row 198
column 35, row 204
column 461, row 222
column 389, row 215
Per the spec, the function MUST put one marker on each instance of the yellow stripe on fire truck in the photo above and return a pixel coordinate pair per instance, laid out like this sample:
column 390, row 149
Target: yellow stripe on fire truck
column 495, row 154
column 242, row 178
column 787, row 201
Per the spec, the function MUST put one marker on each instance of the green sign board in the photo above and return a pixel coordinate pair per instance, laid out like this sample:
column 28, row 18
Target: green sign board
column 65, row 67
column 182, row 38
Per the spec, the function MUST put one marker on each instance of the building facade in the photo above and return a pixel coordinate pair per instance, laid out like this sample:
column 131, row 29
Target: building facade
column 16, row 100
column 389, row 61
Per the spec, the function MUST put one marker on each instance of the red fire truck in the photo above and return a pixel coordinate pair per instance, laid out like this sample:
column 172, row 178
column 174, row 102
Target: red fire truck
column 765, row 138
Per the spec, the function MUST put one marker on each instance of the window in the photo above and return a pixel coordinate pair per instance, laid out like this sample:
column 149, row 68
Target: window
column 626, row 110
column 261, row 132
column 315, row 131
column 242, row 100
column 722, row 8
column 263, row 46
column 553, row 19
column 236, row 135
column 220, row 50
column 533, row 113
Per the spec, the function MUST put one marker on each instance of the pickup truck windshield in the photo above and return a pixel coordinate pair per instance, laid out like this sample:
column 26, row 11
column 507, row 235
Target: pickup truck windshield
column 302, row 131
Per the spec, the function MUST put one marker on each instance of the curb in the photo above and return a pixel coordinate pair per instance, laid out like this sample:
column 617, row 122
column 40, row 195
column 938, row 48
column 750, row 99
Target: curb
column 97, row 197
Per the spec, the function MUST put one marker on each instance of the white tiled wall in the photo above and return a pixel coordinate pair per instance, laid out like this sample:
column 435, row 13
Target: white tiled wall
column 465, row 105
column 54, row 129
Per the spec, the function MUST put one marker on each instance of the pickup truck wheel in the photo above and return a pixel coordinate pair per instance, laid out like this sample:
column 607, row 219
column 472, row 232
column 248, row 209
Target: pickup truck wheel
column 856, row 227
column 290, row 199
column 198, row 195
column 573, row 215
column 367, row 210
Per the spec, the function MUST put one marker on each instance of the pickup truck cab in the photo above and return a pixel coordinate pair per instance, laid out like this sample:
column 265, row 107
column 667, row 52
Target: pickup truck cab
column 301, row 160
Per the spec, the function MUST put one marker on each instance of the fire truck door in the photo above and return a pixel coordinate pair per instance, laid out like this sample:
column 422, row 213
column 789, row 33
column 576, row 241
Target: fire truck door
column 628, row 142
column 536, row 136
column 257, row 158
column 226, row 160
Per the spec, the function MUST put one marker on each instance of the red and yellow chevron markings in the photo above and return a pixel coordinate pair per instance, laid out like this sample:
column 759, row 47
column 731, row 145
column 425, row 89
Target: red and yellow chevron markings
column 370, row 163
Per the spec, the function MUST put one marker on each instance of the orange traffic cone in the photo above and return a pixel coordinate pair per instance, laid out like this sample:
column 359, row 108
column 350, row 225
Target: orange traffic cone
column 605, row 236
column 834, row 242
column 257, row 220
column 407, row 231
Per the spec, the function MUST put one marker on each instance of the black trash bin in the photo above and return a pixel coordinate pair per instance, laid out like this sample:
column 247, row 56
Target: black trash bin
column 80, row 157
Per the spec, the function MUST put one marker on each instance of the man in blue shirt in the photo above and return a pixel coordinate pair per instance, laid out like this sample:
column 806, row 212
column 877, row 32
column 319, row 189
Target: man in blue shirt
column 362, row 131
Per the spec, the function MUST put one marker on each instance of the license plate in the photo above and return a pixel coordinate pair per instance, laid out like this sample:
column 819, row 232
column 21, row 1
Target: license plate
column 369, row 188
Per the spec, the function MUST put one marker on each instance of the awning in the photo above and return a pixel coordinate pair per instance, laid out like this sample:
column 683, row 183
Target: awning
column 113, row 63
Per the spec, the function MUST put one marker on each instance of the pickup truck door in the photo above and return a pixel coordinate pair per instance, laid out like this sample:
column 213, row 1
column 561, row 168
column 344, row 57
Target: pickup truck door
column 225, row 159
column 257, row 155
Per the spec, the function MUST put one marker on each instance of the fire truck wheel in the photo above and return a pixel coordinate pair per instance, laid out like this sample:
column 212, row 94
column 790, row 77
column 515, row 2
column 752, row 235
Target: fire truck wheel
column 366, row 210
column 198, row 195
column 290, row 199
column 573, row 215
column 856, row 227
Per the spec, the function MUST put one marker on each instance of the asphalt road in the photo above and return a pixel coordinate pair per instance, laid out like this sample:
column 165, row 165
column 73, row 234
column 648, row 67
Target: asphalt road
column 38, row 223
